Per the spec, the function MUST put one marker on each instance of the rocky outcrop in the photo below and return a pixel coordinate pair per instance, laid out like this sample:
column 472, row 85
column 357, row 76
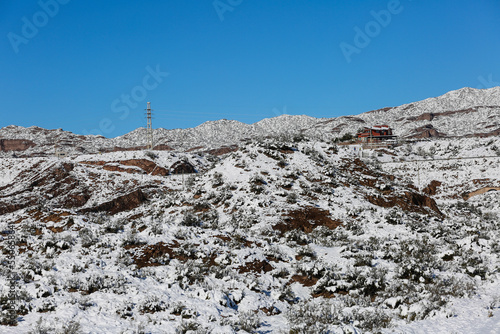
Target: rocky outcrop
column 426, row 131
column 155, row 255
column 487, row 134
column 183, row 167
column 380, row 110
column 163, row 147
column 123, row 203
column 121, row 169
column 148, row 166
column 15, row 145
column 431, row 189
column 408, row 201
column 223, row 150
column 306, row 220
column 255, row 266
column 430, row 116
column 119, row 149
column 6, row 207
column 425, row 117
column 56, row 183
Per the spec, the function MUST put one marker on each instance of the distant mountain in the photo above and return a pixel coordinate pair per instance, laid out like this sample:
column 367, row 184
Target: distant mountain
column 463, row 112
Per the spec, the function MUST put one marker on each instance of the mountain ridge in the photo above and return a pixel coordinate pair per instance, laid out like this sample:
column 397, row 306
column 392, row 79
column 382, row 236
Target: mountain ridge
column 463, row 112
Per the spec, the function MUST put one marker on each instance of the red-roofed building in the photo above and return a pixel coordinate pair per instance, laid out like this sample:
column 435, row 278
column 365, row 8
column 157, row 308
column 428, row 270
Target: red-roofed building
column 375, row 133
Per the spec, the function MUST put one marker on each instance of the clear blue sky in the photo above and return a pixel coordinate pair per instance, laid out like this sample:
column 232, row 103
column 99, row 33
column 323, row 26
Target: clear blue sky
column 86, row 66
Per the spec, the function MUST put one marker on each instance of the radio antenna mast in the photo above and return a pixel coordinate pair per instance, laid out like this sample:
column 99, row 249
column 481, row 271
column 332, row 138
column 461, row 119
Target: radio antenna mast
column 149, row 128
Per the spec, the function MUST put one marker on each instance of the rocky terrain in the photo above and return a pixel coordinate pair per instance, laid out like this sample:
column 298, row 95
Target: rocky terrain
column 465, row 112
column 291, row 233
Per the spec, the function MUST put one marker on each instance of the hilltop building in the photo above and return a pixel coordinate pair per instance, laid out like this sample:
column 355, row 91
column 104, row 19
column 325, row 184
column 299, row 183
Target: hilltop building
column 375, row 134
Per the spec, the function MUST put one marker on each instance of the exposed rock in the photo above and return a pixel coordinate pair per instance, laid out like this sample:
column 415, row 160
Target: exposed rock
column 147, row 165
column 155, row 255
column 94, row 163
column 339, row 128
column 487, row 134
column 75, row 200
column 409, row 201
column 305, row 280
column 431, row 116
column 196, row 148
column 387, row 152
column 163, row 147
column 56, row 183
column 118, row 149
column 431, row 188
column 355, row 119
column 426, row 131
column 183, row 167
column 118, row 168
column 8, row 207
column 223, row 150
column 306, row 220
column 255, row 266
column 380, row 110
column 120, row 204
column 15, row 144
column 425, row 117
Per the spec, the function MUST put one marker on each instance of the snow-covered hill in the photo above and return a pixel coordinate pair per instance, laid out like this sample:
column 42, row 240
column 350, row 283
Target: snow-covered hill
column 464, row 112
column 290, row 236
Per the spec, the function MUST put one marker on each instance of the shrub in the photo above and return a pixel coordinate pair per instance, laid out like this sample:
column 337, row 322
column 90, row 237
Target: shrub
column 132, row 238
column 87, row 237
column 156, row 227
column 201, row 206
column 257, row 184
column 189, row 326
column 151, row 155
column 248, row 321
column 71, row 327
column 291, row 198
column 312, row 317
column 191, row 181
column 190, row 219
column 114, row 226
column 218, row 179
column 496, row 150
column 152, row 304
column 306, row 251
column 346, row 137
column 371, row 320
column 334, row 149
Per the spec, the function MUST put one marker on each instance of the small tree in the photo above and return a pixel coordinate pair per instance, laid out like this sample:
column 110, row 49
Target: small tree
column 346, row 137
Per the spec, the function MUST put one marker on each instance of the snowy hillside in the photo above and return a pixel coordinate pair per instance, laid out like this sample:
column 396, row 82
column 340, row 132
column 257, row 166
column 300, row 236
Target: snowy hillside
column 464, row 112
column 279, row 235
